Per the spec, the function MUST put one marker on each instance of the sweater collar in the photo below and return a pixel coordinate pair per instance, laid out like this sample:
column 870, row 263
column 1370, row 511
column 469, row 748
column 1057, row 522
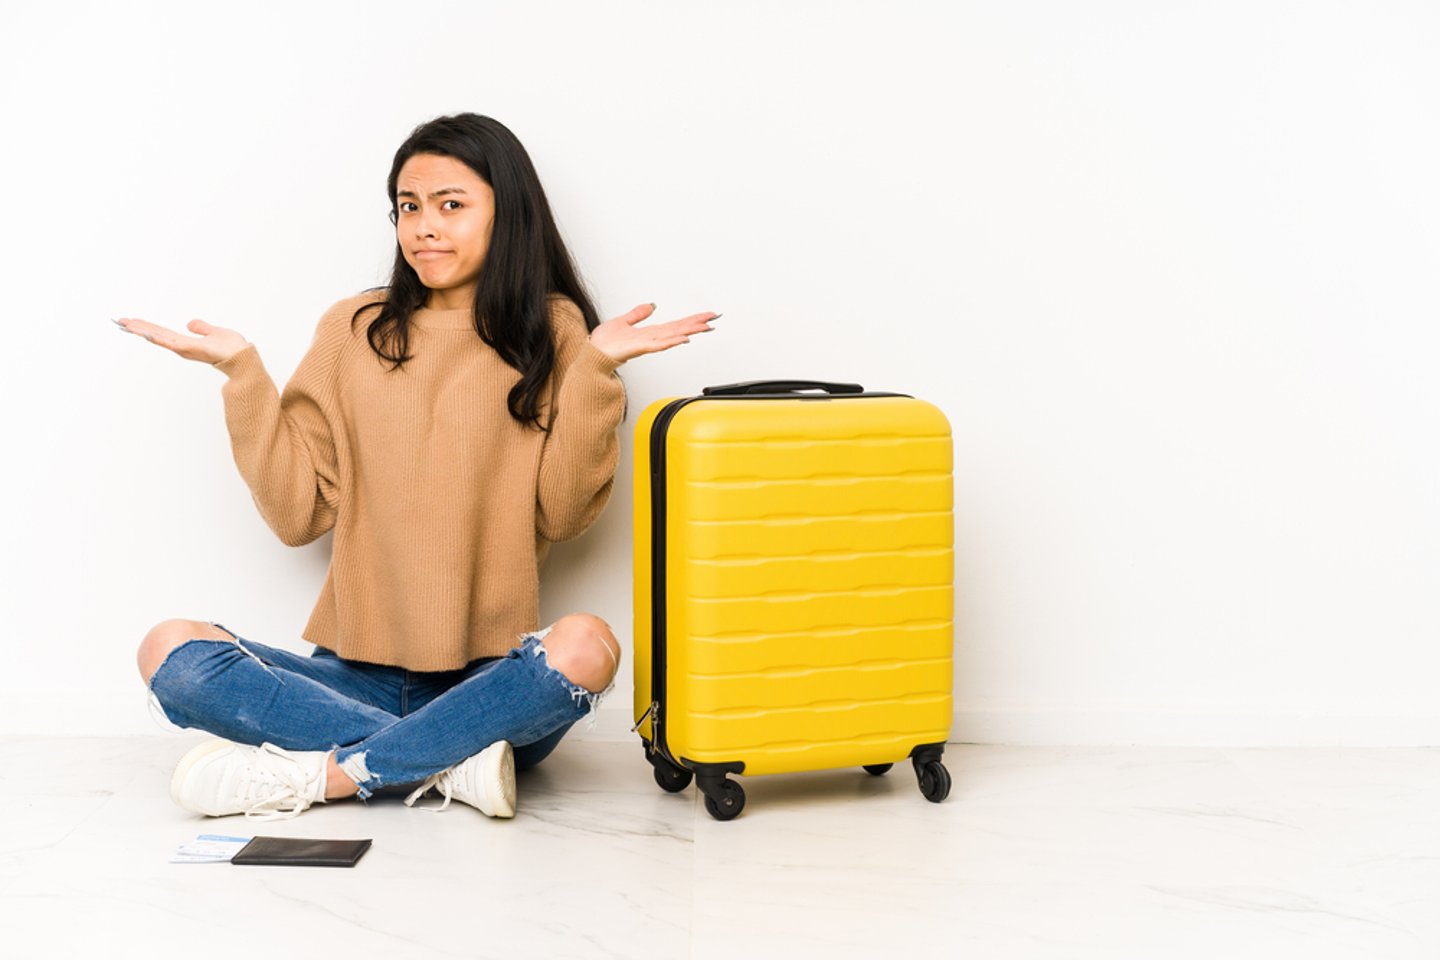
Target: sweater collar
column 462, row 319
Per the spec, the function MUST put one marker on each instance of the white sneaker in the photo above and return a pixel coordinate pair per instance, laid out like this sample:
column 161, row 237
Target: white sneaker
column 219, row 778
column 486, row 781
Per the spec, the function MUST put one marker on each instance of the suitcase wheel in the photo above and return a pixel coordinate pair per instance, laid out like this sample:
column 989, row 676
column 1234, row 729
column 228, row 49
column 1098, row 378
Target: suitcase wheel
column 724, row 799
column 934, row 781
column 878, row 769
column 671, row 779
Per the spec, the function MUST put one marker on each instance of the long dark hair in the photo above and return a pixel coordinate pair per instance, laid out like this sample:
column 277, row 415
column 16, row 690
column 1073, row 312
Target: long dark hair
column 527, row 260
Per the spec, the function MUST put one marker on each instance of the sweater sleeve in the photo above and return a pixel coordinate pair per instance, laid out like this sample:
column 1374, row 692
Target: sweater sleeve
column 283, row 443
column 582, row 449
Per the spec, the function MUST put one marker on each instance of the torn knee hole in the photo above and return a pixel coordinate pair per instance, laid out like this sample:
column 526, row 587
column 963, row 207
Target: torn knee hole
column 582, row 669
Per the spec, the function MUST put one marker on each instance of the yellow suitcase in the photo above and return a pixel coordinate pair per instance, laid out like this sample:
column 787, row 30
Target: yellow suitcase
column 794, row 585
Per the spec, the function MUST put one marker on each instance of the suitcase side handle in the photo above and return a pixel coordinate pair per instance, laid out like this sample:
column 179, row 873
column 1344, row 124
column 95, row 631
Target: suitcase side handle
column 781, row 386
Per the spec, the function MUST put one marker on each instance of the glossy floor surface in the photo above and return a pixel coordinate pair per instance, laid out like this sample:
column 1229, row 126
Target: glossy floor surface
column 1039, row 852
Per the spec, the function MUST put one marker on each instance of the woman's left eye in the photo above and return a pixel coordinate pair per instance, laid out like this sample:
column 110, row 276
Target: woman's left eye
column 456, row 202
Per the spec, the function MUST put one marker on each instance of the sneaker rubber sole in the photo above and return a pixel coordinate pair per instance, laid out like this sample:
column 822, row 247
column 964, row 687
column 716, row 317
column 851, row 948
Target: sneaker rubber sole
column 499, row 775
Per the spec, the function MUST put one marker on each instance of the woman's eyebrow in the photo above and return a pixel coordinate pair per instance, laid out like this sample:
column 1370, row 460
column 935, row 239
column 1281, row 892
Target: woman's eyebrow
column 438, row 193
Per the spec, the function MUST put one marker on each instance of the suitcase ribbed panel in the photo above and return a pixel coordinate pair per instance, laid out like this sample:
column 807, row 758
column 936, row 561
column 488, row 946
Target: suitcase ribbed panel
column 809, row 567
column 720, row 539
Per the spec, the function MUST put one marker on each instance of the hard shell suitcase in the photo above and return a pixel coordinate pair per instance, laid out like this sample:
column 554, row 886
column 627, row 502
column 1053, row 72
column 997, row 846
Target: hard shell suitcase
column 793, row 585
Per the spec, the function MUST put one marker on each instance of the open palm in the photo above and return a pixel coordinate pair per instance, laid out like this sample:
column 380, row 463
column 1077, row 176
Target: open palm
column 622, row 339
column 213, row 344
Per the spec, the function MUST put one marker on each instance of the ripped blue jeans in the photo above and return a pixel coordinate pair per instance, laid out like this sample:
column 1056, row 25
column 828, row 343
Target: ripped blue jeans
column 387, row 725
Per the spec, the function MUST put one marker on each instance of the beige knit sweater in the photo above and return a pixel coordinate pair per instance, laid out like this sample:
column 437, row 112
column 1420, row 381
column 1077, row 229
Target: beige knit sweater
column 443, row 505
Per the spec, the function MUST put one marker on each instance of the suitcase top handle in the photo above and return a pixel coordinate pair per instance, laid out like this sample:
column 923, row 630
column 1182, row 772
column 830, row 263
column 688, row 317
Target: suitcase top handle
column 781, row 386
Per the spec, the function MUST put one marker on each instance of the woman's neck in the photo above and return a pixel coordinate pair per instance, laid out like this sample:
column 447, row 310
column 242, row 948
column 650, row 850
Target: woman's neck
column 450, row 300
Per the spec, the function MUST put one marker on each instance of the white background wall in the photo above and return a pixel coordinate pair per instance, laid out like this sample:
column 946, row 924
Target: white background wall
column 1170, row 270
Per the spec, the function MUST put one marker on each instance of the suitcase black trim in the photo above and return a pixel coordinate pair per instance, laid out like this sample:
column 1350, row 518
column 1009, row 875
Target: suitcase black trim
column 657, row 574
column 659, row 429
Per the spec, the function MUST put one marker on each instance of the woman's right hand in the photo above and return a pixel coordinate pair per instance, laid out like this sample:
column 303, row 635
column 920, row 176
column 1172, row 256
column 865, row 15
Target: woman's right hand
column 214, row 345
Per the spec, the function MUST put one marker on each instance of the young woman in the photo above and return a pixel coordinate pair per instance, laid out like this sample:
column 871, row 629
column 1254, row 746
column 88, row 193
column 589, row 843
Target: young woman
column 448, row 428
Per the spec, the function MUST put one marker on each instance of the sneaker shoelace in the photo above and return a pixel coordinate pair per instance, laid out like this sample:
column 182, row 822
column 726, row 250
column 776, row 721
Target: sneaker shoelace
column 443, row 781
column 271, row 781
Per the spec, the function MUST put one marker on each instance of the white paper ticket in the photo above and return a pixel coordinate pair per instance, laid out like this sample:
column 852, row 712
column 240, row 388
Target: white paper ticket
column 209, row 848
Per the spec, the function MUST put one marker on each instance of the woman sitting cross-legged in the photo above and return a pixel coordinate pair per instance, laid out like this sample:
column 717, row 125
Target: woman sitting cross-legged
column 448, row 427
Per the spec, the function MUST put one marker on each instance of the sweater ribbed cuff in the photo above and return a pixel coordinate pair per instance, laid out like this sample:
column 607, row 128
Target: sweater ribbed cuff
column 246, row 361
column 594, row 358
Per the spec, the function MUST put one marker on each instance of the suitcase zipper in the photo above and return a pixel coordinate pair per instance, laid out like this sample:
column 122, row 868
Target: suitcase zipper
column 658, row 583
column 653, row 708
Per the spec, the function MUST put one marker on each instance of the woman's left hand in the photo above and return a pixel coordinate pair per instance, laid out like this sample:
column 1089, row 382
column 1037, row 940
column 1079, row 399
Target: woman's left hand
column 620, row 338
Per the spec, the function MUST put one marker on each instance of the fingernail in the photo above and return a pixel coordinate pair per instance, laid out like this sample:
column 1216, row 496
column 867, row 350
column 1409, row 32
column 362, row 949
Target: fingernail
column 652, row 306
column 717, row 316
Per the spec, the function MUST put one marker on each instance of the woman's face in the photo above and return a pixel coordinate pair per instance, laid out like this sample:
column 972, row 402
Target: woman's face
column 444, row 212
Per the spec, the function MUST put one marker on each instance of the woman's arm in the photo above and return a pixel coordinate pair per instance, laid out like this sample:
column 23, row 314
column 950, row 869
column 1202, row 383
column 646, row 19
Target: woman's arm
column 283, row 444
column 580, row 453
column 578, row 460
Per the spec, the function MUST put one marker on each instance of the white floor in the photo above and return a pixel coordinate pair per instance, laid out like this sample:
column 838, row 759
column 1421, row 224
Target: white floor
column 1040, row 852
